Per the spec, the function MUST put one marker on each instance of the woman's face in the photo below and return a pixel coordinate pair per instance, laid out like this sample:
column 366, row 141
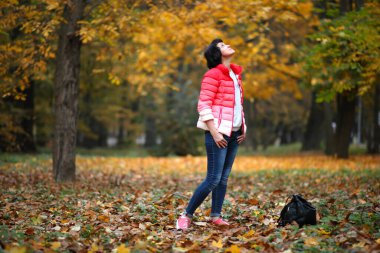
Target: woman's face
column 225, row 49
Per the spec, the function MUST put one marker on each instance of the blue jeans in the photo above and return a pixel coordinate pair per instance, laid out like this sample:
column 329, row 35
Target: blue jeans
column 219, row 164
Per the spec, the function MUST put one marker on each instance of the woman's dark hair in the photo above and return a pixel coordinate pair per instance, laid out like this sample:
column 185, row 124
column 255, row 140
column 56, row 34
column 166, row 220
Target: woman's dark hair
column 213, row 54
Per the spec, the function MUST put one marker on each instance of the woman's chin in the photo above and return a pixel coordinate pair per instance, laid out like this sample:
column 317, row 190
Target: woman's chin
column 229, row 55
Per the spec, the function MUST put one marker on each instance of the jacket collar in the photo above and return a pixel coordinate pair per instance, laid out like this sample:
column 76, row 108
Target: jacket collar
column 235, row 68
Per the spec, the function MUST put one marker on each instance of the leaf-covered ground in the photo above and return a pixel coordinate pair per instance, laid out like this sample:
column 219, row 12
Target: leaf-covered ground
column 131, row 204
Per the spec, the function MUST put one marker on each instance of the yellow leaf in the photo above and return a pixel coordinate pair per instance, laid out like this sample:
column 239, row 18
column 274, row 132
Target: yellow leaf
column 123, row 249
column 55, row 245
column 94, row 248
column 311, row 241
column 35, row 220
column 16, row 249
column 378, row 241
column 233, row 249
column 218, row 244
column 359, row 245
column 324, row 232
column 249, row 233
column 114, row 79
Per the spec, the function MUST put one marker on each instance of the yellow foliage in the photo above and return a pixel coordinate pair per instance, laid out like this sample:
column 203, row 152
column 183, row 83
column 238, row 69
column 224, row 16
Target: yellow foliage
column 153, row 42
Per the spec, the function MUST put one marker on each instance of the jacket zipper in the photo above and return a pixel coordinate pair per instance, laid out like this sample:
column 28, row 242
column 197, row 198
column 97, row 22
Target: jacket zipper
column 233, row 105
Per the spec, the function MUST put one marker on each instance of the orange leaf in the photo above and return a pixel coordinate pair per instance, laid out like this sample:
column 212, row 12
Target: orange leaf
column 104, row 218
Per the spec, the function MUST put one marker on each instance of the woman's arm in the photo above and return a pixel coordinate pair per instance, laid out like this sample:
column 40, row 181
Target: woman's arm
column 209, row 88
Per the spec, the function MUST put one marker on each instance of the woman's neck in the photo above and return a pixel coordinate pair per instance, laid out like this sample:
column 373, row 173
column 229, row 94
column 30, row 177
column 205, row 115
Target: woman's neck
column 226, row 62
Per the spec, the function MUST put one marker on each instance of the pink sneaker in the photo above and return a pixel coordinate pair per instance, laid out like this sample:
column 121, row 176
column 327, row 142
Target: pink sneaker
column 220, row 222
column 183, row 222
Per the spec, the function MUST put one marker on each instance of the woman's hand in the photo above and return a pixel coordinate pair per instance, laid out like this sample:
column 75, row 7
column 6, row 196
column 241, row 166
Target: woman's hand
column 240, row 138
column 219, row 139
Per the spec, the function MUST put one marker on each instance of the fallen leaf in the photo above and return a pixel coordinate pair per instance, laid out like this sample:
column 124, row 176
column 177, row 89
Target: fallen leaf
column 253, row 201
column 359, row 245
column 16, row 250
column 180, row 249
column 29, row 231
column 217, row 244
column 142, row 226
column 233, row 249
column 249, row 233
column 123, row 249
column 36, row 220
column 323, row 232
column 55, row 245
column 104, row 218
column 311, row 241
column 201, row 223
column 94, row 248
column 57, row 228
column 75, row 228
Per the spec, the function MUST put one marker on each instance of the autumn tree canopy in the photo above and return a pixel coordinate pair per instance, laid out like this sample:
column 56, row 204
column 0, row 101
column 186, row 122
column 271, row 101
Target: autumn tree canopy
column 152, row 51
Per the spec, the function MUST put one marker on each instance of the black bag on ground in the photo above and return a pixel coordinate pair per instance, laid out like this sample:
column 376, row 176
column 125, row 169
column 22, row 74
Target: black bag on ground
column 299, row 210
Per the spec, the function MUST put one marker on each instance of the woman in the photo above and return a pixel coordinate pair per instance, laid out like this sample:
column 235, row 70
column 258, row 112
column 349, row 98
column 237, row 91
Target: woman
column 221, row 115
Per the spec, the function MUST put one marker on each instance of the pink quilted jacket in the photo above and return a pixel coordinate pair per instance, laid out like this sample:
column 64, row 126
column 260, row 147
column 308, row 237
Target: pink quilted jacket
column 217, row 98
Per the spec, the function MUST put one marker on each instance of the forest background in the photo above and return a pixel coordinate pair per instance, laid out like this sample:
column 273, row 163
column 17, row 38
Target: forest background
column 86, row 84
column 311, row 73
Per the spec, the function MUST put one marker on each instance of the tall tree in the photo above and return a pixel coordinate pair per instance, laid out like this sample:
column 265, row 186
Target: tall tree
column 316, row 125
column 22, row 51
column 66, row 92
column 314, row 129
column 343, row 64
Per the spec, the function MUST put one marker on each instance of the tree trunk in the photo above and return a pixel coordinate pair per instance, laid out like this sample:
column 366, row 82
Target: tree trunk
column 330, row 129
column 314, row 129
column 345, row 104
column 66, row 92
column 150, row 132
column 150, row 122
column 120, row 131
column 373, row 146
column 345, row 123
column 26, row 139
column 359, row 4
column 345, row 6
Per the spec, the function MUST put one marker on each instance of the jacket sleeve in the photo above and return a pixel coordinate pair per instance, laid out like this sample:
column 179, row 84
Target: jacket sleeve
column 209, row 88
